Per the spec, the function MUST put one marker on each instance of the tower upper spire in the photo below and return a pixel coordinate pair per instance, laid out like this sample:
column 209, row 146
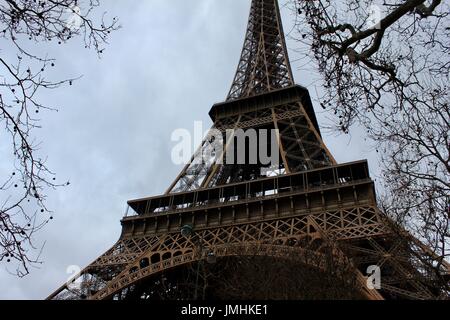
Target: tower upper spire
column 264, row 63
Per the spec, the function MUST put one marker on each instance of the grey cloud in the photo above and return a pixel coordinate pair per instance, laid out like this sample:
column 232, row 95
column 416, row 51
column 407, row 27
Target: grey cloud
column 111, row 138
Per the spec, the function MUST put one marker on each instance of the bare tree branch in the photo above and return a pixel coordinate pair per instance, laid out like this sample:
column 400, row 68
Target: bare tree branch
column 23, row 192
column 391, row 77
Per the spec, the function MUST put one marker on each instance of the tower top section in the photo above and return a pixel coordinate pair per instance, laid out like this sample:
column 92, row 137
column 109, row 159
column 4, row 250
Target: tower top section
column 264, row 64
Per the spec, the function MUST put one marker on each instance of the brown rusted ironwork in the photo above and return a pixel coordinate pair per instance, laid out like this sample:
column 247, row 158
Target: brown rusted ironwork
column 234, row 210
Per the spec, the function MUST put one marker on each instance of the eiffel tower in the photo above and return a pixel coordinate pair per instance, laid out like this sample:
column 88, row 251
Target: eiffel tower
column 305, row 209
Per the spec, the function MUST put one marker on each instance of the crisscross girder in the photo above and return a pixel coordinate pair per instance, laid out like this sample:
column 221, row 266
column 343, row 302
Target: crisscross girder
column 264, row 63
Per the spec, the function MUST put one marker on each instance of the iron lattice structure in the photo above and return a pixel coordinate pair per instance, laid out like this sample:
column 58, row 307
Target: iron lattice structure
column 309, row 209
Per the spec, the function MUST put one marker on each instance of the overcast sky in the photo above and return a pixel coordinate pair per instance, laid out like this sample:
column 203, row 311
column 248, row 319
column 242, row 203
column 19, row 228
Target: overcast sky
column 171, row 61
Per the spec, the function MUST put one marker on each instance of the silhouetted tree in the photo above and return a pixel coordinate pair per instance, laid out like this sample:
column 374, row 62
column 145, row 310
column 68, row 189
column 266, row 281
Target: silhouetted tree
column 24, row 26
column 385, row 68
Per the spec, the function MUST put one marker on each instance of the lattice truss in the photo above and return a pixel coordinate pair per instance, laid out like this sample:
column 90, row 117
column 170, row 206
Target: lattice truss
column 357, row 234
column 300, row 147
column 264, row 63
column 264, row 66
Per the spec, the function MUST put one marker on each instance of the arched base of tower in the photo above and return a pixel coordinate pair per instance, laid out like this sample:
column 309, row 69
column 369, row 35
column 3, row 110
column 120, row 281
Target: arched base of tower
column 247, row 278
